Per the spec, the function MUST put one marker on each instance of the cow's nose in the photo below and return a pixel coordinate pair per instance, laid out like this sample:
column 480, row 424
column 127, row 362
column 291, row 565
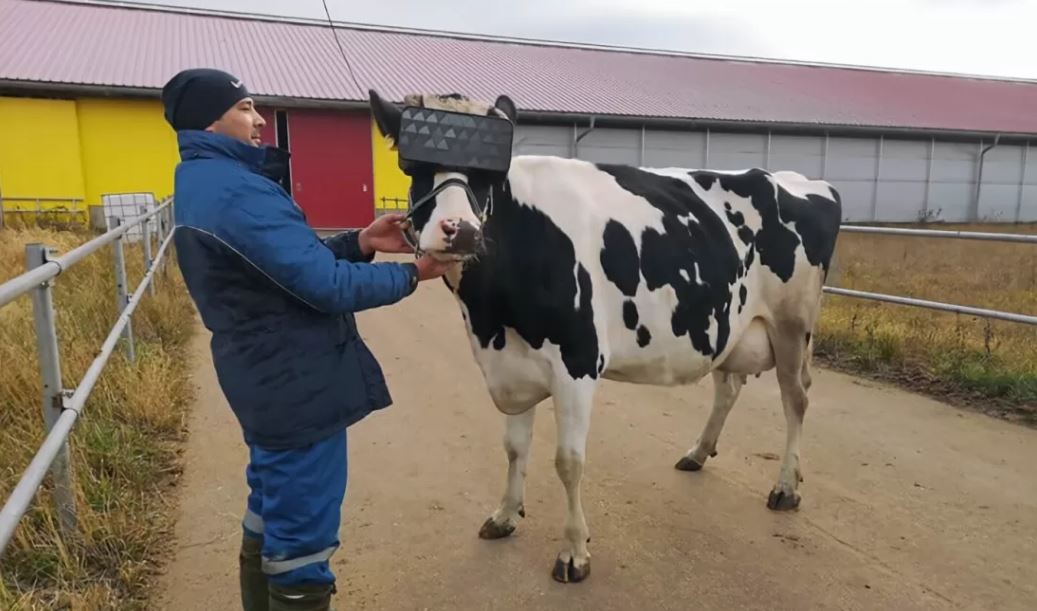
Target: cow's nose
column 467, row 238
column 449, row 227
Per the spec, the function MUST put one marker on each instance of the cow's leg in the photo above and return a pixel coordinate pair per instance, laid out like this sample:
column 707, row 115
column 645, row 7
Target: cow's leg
column 808, row 357
column 726, row 387
column 790, row 346
column 572, row 416
column 517, row 437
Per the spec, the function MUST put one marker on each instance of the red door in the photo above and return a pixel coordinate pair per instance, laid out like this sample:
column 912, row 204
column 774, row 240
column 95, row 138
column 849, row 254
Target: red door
column 331, row 167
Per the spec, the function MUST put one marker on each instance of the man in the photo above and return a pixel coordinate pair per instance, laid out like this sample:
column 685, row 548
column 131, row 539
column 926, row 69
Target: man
column 279, row 302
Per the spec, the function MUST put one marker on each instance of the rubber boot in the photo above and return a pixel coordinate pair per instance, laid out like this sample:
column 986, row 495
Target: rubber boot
column 302, row 597
column 253, row 582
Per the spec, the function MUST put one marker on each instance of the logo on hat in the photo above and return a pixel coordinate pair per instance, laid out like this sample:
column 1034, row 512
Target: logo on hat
column 236, row 84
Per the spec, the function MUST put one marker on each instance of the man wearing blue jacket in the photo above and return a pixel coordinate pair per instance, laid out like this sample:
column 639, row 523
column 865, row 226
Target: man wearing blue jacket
column 280, row 304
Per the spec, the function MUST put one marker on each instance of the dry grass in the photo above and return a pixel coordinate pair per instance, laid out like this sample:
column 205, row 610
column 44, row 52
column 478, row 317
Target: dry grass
column 124, row 446
column 990, row 365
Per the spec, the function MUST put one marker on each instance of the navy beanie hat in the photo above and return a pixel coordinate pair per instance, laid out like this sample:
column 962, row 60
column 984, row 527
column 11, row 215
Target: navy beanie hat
column 194, row 98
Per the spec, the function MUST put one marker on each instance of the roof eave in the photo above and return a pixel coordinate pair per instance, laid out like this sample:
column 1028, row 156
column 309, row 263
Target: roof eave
column 540, row 116
column 101, row 90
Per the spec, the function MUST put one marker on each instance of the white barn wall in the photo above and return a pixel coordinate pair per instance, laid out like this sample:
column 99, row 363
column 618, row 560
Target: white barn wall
column 881, row 178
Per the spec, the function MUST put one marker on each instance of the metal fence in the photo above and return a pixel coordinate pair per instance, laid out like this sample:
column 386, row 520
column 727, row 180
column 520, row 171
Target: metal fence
column 35, row 206
column 936, row 305
column 61, row 407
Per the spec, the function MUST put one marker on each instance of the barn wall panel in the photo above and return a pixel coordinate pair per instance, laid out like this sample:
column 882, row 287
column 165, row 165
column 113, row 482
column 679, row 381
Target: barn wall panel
column 126, row 146
column 604, row 145
column 675, row 149
column 543, row 140
column 803, row 154
column 39, row 151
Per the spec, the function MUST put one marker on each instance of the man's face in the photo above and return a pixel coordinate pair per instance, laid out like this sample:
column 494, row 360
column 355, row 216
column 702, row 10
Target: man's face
column 241, row 121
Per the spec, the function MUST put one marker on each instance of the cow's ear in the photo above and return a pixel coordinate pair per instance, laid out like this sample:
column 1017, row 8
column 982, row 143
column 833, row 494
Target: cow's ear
column 505, row 105
column 387, row 116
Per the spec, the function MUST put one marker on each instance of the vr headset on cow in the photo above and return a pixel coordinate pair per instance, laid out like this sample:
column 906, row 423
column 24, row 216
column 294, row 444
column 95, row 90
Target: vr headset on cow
column 444, row 141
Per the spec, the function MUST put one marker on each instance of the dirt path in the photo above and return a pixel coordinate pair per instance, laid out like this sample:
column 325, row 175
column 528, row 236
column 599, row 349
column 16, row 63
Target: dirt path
column 907, row 504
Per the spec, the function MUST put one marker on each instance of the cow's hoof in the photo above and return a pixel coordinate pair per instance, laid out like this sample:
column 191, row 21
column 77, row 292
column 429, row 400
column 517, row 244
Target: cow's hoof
column 566, row 571
column 780, row 500
column 493, row 530
column 688, row 463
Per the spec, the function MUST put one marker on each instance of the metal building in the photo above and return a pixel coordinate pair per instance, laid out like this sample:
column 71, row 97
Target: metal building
column 79, row 82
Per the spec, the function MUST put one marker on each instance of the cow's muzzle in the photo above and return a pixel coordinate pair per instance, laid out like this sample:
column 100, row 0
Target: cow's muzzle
column 462, row 238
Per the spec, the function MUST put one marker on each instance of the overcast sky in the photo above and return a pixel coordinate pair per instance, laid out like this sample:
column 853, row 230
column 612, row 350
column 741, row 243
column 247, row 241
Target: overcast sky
column 992, row 37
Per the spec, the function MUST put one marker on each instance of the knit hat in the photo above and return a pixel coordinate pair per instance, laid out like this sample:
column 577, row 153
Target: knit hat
column 195, row 98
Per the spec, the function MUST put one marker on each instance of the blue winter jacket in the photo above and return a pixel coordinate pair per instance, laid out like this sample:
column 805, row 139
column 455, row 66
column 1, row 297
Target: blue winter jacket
column 278, row 300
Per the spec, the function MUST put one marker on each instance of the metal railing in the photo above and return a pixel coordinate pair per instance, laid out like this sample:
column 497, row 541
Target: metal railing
column 38, row 209
column 937, row 305
column 62, row 407
column 396, row 201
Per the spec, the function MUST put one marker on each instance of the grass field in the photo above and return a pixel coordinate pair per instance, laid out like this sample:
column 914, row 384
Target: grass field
column 990, row 365
column 124, row 445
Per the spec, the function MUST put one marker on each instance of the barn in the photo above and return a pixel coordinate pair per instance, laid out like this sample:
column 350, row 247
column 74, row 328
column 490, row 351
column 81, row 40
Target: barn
column 80, row 116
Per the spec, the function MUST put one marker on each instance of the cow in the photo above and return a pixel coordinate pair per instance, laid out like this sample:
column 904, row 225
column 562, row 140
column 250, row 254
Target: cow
column 569, row 272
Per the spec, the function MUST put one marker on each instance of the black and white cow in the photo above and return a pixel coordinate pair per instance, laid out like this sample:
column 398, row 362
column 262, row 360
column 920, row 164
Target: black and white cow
column 586, row 271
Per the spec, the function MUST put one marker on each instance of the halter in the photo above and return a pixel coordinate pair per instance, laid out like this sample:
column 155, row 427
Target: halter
column 483, row 211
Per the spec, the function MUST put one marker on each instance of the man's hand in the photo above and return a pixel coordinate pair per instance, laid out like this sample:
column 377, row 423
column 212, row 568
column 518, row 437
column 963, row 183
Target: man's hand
column 385, row 234
column 429, row 267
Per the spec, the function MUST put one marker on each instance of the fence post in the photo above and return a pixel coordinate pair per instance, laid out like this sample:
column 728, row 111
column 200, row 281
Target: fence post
column 121, row 297
column 170, row 225
column 146, row 229
column 53, row 393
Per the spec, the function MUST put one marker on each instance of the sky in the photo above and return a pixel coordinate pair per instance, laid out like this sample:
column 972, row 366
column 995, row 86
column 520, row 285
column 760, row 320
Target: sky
column 987, row 37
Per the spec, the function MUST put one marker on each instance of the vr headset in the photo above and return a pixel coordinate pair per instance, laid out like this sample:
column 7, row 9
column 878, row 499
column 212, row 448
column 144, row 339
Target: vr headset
column 447, row 140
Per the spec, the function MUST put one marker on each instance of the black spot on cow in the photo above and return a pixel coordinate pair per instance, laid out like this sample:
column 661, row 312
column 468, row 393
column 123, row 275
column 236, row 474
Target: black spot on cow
column 680, row 247
column 816, row 219
column 498, row 340
column 601, row 363
column 643, row 336
column 750, row 256
column 808, row 338
column 743, row 294
column 525, row 280
column 705, row 180
column 630, row 315
column 619, row 258
column 737, row 218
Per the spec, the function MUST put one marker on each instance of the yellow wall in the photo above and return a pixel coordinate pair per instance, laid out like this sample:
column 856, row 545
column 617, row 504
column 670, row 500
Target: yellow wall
column 39, row 151
column 389, row 181
column 127, row 146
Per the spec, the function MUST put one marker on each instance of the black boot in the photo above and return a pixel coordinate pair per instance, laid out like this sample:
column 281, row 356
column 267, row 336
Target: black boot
column 254, row 594
column 303, row 597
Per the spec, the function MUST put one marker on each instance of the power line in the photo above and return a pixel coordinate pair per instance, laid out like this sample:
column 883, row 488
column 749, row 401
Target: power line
column 334, row 33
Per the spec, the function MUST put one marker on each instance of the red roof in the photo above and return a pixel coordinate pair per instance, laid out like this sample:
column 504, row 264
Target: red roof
column 88, row 44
